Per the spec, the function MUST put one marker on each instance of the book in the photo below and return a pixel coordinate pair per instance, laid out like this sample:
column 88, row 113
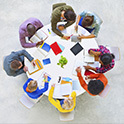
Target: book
column 55, row 47
column 38, row 36
column 88, row 58
column 76, row 49
column 32, row 69
column 79, row 64
column 61, row 47
column 41, row 80
column 45, row 47
column 46, row 61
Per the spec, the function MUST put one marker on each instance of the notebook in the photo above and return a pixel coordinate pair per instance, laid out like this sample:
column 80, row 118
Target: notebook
column 46, row 61
column 45, row 47
column 55, row 47
column 76, row 49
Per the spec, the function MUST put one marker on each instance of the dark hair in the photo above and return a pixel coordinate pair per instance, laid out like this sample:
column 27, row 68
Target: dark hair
column 15, row 64
column 95, row 87
column 31, row 29
column 87, row 21
column 70, row 15
column 107, row 58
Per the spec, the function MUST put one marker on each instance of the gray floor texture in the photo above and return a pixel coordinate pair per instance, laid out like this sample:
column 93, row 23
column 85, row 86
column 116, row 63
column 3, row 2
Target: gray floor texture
column 89, row 109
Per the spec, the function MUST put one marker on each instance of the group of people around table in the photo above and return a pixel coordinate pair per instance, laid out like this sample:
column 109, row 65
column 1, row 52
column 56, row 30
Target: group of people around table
column 14, row 63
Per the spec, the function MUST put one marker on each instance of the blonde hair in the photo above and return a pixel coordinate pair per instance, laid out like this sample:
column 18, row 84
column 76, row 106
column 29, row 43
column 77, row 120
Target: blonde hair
column 68, row 104
column 32, row 85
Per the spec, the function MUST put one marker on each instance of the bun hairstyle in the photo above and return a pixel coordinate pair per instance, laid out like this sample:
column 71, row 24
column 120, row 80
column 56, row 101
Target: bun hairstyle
column 32, row 85
column 87, row 21
column 68, row 104
column 107, row 58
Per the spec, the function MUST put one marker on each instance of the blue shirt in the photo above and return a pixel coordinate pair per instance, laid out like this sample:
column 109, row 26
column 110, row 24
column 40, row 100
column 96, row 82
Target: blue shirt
column 96, row 23
column 38, row 92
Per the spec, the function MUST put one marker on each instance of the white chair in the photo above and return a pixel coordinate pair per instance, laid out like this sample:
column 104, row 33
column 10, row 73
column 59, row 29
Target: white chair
column 115, row 51
column 105, row 91
column 27, row 101
column 69, row 116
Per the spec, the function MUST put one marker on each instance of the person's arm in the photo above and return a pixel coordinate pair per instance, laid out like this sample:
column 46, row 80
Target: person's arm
column 95, row 53
column 78, row 19
column 89, row 67
column 23, row 40
column 96, row 30
column 92, row 76
column 54, row 21
column 68, row 24
column 25, row 53
column 44, row 89
column 73, row 95
column 81, row 80
column 86, row 37
column 50, row 97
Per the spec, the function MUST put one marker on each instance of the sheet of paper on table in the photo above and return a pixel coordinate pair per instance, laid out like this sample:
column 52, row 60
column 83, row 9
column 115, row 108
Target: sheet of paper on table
column 75, row 85
column 79, row 64
column 41, row 82
column 88, row 58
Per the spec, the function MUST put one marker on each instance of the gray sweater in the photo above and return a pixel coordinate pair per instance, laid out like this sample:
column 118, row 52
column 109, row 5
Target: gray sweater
column 19, row 55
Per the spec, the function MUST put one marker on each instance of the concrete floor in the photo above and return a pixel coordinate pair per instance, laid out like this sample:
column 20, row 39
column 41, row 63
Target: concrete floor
column 89, row 109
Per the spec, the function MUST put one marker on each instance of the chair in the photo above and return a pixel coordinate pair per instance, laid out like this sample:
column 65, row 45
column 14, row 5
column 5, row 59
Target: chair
column 105, row 91
column 69, row 116
column 115, row 51
column 27, row 101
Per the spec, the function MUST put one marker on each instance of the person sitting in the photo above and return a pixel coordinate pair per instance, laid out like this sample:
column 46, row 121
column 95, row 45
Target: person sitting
column 63, row 105
column 62, row 12
column 96, row 82
column 105, row 58
column 90, row 21
column 28, row 29
column 32, row 90
column 14, row 63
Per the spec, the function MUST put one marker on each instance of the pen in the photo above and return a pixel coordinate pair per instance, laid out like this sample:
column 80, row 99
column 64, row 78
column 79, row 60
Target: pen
column 70, row 36
column 49, row 31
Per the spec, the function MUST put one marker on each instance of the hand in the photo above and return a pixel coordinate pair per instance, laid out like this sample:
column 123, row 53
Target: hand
column 87, row 67
column 45, row 77
column 33, row 63
column 78, row 69
column 61, row 27
column 76, row 27
column 66, row 37
column 87, row 77
column 25, row 68
column 53, row 85
column 39, row 43
column 81, row 37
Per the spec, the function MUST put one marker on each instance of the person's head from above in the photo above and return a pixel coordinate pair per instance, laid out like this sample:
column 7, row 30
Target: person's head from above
column 32, row 85
column 87, row 21
column 95, row 86
column 68, row 103
column 31, row 29
column 15, row 64
column 69, row 15
column 106, row 58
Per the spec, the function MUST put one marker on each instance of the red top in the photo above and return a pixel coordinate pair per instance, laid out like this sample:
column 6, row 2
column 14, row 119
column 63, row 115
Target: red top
column 98, row 76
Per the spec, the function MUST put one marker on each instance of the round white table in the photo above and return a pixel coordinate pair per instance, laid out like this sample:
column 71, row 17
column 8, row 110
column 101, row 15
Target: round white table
column 55, row 70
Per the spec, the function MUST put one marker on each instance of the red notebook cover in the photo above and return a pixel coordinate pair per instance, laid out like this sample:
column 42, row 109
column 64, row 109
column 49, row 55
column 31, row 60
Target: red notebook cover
column 55, row 47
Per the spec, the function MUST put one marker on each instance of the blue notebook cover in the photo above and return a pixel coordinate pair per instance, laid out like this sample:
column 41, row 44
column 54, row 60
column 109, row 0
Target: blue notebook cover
column 46, row 61
column 46, row 47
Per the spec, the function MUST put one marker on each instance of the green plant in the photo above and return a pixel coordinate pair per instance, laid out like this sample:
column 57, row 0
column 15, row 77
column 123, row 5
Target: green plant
column 63, row 61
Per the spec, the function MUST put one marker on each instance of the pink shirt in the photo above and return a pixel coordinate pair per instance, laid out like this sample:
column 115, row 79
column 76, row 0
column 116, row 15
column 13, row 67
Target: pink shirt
column 23, row 31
